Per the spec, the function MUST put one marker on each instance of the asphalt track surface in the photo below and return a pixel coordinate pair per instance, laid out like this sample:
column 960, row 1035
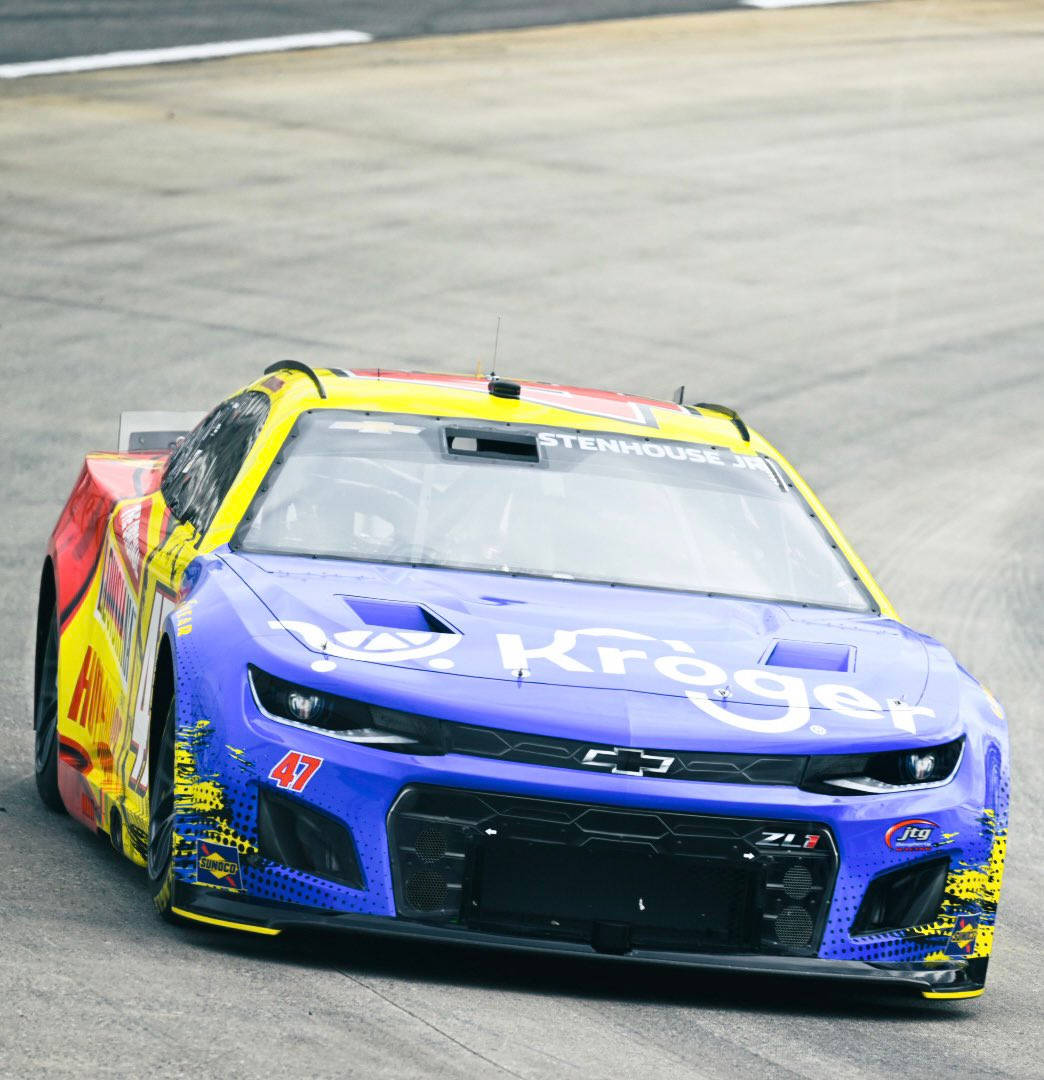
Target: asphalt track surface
column 830, row 218
column 44, row 29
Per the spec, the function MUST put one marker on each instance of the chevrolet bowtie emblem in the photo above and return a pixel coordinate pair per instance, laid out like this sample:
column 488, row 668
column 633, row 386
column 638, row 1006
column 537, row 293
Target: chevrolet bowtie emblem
column 628, row 761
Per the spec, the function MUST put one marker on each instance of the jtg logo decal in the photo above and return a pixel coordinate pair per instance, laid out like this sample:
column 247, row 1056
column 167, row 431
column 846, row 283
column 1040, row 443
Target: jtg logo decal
column 295, row 770
column 914, row 834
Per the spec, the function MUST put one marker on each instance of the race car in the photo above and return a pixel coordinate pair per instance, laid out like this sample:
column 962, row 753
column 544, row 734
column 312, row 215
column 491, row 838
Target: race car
column 466, row 659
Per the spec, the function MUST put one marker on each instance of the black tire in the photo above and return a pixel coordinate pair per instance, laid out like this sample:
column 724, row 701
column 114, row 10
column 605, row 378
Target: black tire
column 45, row 722
column 160, row 866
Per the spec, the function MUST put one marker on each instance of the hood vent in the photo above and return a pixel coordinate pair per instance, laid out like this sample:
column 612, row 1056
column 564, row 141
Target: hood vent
column 811, row 655
column 396, row 615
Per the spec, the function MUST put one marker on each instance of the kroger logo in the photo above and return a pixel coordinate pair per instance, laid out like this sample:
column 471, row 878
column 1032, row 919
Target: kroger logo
column 708, row 685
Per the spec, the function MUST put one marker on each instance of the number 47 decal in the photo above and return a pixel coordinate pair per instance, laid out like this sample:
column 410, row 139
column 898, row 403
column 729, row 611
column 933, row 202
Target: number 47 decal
column 295, row 770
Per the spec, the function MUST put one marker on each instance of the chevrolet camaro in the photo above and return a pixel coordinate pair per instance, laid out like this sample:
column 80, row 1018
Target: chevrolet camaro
column 545, row 668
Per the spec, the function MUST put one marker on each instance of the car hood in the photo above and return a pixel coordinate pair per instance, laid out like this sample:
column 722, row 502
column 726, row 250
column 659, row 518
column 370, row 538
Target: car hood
column 750, row 672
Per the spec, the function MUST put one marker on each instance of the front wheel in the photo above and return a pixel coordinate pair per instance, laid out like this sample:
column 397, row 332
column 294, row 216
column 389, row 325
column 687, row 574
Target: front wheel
column 45, row 722
column 160, row 867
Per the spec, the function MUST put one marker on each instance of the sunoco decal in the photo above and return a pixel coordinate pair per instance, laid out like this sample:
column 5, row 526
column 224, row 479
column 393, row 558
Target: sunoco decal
column 217, row 865
column 964, row 937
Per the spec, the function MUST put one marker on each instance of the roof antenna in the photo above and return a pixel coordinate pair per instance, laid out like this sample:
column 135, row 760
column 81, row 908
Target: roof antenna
column 496, row 343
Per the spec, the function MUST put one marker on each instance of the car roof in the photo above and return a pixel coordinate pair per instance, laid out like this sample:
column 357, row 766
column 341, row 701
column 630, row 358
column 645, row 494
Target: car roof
column 539, row 403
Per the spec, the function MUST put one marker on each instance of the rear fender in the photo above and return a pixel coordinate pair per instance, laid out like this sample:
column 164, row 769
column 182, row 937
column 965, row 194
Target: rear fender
column 78, row 539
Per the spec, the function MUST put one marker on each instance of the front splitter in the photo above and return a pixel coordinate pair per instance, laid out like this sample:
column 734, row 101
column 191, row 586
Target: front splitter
column 952, row 978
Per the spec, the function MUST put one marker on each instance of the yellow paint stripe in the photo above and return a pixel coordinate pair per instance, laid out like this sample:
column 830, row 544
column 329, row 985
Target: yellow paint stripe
column 952, row 993
column 224, row 922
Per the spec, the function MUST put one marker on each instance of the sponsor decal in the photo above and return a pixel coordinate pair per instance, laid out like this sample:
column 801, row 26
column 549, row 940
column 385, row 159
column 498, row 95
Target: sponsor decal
column 218, row 865
column 787, row 700
column 656, row 448
column 183, row 618
column 965, row 935
column 295, row 770
column 117, row 611
column 791, row 694
column 93, row 704
column 917, row 834
column 790, row 841
column 384, row 646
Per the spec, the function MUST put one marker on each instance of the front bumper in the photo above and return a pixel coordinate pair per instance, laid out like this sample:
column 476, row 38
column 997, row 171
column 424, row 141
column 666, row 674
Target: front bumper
column 953, row 978
column 222, row 770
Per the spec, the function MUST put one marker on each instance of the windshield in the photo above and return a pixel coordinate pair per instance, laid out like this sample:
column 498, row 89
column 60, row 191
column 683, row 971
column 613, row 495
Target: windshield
column 551, row 503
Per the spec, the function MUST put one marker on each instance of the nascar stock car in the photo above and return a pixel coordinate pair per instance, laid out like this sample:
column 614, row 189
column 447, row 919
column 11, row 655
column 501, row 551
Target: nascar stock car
column 546, row 668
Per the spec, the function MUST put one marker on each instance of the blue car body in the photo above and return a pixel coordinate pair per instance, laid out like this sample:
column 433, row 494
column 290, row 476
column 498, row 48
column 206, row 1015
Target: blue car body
column 274, row 608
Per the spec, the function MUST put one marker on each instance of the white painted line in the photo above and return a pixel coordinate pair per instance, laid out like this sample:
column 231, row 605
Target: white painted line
column 180, row 53
column 799, row 3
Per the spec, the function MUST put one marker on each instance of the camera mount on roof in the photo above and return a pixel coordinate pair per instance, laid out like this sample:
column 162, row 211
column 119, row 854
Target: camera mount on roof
column 504, row 388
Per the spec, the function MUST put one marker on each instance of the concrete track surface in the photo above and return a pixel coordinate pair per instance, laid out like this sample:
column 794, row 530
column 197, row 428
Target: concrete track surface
column 830, row 218
column 43, row 29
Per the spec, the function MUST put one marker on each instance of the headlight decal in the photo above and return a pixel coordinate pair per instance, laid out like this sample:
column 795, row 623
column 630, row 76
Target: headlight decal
column 888, row 771
column 344, row 718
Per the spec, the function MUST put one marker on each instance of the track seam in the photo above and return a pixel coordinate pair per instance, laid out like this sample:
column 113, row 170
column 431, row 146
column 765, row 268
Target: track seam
column 429, row 1024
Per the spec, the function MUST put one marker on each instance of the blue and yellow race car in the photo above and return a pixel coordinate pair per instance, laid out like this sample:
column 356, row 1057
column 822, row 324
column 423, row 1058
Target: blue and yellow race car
column 472, row 660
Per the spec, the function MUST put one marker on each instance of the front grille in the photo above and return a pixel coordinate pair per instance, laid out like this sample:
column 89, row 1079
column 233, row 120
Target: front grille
column 612, row 877
column 794, row 927
column 518, row 746
column 797, row 882
column 426, row 890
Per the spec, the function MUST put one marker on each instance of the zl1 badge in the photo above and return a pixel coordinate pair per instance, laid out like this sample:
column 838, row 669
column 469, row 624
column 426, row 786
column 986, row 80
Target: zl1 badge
column 218, row 865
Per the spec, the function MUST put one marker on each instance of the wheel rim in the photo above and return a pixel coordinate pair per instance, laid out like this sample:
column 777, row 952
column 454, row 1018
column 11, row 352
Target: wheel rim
column 161, row 807
column 47, row 703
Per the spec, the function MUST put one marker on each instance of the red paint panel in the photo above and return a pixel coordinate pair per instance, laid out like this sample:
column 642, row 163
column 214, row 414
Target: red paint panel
column 605, row 403
column 77, row 540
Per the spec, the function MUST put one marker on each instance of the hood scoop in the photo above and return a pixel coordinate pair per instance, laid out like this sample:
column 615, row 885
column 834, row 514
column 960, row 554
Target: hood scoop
column 396, row 615
column 811, row 656
column 578, row 636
